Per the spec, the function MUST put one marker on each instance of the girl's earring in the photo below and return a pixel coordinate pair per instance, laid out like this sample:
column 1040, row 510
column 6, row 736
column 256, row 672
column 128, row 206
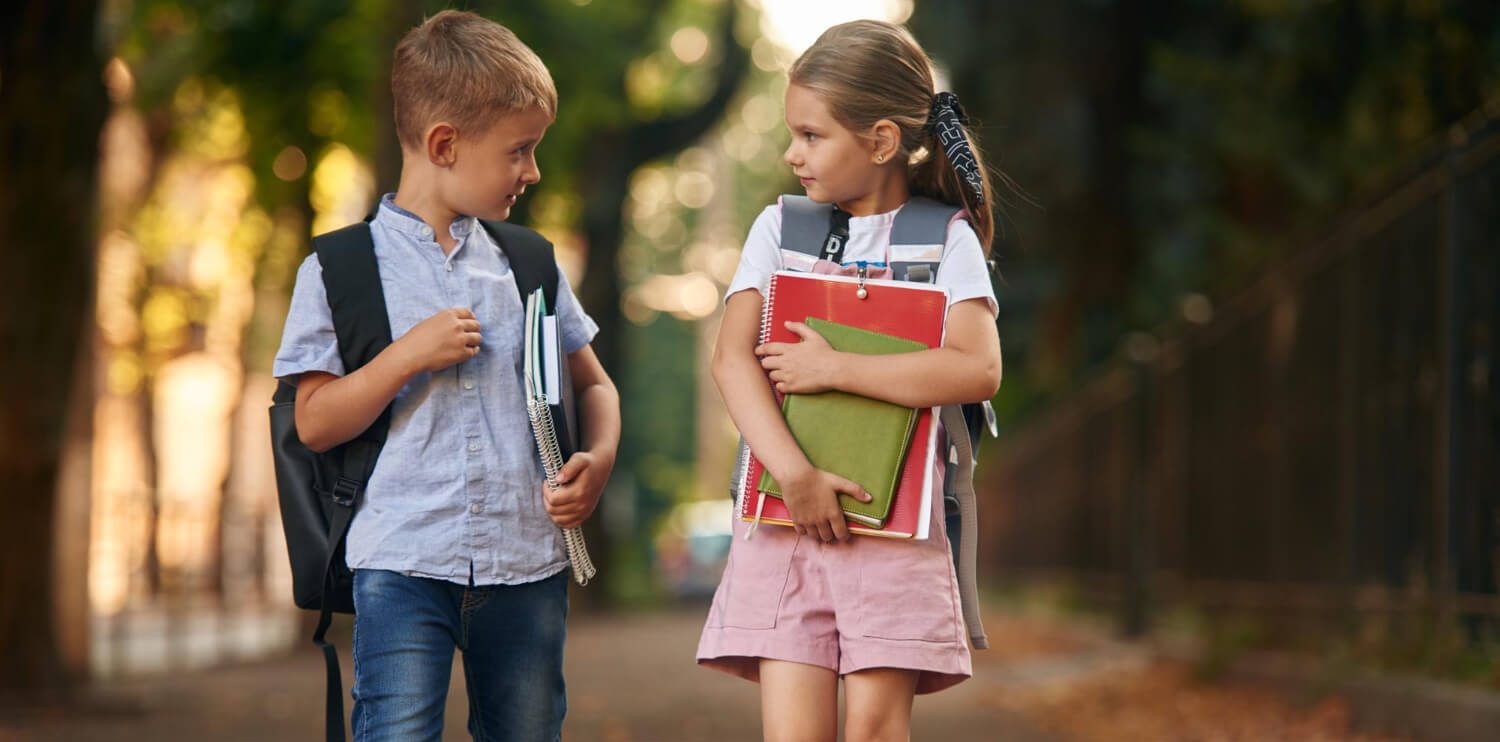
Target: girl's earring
column 879, row 158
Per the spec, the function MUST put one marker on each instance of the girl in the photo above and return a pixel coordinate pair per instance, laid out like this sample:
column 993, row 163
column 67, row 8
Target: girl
column 799, row 608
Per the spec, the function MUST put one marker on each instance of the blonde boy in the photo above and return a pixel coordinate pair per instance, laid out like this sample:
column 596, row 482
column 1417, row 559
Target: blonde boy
column 456, row 543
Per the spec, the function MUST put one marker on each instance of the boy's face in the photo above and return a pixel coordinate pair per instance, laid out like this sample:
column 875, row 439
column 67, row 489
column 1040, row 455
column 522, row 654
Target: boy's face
column 833, row 163
column 490, row 171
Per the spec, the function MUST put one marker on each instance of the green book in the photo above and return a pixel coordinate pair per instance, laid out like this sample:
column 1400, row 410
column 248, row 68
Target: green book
column 855, row 437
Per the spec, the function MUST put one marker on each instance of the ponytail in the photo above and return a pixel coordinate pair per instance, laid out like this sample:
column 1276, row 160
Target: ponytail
column 953, row 170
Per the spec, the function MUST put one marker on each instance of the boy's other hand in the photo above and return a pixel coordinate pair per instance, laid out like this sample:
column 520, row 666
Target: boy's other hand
column 579, row 484
column 811, row 498
column 451, row 336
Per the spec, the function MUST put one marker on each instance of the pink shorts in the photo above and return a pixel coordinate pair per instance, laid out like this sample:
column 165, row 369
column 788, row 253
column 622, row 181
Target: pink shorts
column 868, row 602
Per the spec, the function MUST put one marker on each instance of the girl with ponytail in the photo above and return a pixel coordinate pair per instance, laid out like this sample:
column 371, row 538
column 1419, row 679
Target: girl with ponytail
column 801, row 609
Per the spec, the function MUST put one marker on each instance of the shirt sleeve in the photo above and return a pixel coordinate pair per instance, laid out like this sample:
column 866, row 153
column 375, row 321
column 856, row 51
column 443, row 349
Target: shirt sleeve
column 308, row 342
column 964, row 271
column 577, row 327
column 761, row 256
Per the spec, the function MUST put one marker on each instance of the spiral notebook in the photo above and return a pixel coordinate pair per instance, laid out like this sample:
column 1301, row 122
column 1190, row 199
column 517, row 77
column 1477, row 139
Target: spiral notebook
column 901, row 309
column 549, row 406
column 546, row 371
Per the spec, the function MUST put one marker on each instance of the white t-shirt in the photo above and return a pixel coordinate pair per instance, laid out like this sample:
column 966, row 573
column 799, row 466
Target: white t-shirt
column 962, row 271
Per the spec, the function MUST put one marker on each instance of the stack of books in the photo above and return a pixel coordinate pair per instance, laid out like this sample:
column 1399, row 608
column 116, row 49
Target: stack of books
column 550, row 407
column 889, row 450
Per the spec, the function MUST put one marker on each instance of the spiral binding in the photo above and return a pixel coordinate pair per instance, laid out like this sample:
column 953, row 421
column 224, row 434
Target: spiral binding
column 746, row 485
column 765, row 310
column 552, row 461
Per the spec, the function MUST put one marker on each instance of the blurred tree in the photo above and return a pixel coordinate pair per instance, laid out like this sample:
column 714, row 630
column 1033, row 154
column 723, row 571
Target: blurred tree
column 52, row 105
column 307, row 76
column 213, row 80
column 303, row 76
column 1174, row 146
column 603, row 134
column 625, row 101
column 1266, row 118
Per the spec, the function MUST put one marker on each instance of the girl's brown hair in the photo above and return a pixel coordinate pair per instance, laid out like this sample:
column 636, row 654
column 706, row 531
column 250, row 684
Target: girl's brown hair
column 866, row 71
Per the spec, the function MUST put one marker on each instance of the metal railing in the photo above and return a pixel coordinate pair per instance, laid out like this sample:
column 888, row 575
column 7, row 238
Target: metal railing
column 1328, row 443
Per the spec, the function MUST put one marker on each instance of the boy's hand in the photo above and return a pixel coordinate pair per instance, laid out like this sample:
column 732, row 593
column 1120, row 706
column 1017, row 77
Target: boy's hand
column 580, row 483
column 806, row 367
column 451, row 336
column 811, row 498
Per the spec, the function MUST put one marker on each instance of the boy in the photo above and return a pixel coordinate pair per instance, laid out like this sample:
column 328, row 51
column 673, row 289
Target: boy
column 456, row 541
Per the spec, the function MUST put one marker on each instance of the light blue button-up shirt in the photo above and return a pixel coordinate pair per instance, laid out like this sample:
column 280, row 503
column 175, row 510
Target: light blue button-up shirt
column 456, row 492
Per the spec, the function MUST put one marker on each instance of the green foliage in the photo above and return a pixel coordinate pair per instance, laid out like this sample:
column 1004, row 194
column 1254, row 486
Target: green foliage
column 303, row 72
column 657, row 398
column 274, row 84
column 1267, row 118
column 1176, row 148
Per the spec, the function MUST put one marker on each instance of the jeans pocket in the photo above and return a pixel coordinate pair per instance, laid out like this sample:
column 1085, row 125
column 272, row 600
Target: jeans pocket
column 908, row 593
column 755, row 579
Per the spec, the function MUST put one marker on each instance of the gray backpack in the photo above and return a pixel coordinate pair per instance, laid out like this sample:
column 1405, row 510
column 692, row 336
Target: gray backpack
column 808, row 227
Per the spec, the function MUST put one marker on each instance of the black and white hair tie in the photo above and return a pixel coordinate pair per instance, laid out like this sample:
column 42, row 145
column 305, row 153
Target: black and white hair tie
column 945, row 120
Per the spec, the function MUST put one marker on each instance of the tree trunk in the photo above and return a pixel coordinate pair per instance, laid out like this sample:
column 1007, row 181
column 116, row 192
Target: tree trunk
column 618, row 154
column 49, row 157
column 387, row 147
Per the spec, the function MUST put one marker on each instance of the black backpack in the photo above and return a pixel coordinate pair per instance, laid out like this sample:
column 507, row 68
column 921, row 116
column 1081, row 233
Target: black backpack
column 319, row 493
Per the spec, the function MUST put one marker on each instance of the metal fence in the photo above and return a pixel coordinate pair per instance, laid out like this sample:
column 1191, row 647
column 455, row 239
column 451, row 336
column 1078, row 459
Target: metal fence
column 1328, row 444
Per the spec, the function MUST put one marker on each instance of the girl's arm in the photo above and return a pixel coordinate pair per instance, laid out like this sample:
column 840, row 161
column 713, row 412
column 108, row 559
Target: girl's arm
column 965, row 369
column 810, row 495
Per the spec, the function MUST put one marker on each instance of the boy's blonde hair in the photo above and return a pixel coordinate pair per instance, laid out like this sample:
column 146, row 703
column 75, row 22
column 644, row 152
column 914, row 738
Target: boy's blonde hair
column 467, row 70
column 865, row 71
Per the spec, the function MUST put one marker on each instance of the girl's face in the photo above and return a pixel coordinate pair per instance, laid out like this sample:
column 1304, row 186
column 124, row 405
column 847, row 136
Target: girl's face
column 835, row 164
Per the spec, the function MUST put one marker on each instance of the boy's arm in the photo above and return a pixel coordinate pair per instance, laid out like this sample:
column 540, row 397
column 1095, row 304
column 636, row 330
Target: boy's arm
column 965, row 369
column 582, row 478
column 598, row 405
column 333, row 409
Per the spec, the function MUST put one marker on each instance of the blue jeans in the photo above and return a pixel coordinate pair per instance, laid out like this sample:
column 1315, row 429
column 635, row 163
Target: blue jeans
column 511, row 636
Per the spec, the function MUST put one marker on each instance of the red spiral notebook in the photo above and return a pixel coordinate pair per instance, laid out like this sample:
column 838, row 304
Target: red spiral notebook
column 903, row 309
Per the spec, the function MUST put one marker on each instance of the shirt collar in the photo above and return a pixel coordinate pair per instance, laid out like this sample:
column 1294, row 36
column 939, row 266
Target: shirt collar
column 874, row 221
column 401, row 220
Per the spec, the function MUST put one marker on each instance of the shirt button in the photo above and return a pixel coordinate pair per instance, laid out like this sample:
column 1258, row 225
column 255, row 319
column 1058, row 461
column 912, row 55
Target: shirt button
column 474, row 508
column 468, row 385
column 473, row 446
column 450, row 267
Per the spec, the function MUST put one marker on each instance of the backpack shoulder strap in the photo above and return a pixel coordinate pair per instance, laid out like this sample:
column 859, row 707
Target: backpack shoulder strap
column 962, row 478
column 917, row 239
column 804, row 224
column 922, row 221
column 531, row 258
column 352, row 280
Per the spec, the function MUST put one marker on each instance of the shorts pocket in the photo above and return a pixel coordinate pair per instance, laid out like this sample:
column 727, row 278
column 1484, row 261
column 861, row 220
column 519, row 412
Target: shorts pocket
column 755, row 579
column 908, row 593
